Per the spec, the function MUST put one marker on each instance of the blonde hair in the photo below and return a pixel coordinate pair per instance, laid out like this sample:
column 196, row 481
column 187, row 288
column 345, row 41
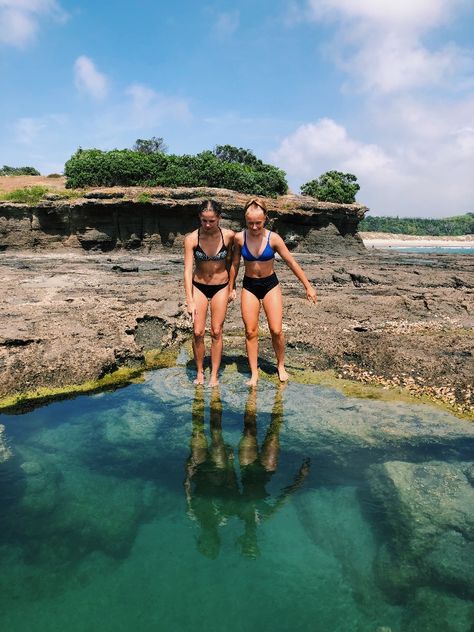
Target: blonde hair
column 256, row 202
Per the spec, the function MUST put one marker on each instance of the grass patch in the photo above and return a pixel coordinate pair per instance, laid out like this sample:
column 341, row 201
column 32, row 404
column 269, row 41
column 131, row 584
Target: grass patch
column 27, row 195
column 144, row 198
column 69, row 194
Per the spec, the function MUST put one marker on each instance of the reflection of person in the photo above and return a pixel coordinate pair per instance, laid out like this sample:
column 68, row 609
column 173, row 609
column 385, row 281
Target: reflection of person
column 210, row 248
column 258, row 246
column 257, row 468
column 211, row 484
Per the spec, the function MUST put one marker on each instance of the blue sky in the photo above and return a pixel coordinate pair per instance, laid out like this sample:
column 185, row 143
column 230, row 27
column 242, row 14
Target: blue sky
column 381, row 89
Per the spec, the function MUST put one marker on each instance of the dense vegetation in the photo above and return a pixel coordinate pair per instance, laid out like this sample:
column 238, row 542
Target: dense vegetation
column 458, row 225
column 333, row 186
column 18, row 171
column 226, row 167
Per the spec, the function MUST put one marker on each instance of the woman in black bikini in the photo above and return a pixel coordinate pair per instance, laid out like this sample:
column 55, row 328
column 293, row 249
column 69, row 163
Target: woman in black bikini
column 258, row 246
column 208, row 251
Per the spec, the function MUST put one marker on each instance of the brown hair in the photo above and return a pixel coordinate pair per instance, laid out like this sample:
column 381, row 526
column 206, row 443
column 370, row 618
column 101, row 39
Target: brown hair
column 256, row 202
column 211, row 205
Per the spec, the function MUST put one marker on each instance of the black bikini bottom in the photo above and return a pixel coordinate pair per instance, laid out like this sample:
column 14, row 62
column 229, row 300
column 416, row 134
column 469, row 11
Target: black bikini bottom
column 260, row 287
column 209, row 291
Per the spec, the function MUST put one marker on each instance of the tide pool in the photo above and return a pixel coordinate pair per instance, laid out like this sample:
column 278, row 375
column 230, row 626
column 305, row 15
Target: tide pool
column 163, row 506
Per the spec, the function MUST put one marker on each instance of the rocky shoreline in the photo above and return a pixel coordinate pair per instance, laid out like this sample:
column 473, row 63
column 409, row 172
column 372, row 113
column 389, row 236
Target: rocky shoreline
column 402, row 322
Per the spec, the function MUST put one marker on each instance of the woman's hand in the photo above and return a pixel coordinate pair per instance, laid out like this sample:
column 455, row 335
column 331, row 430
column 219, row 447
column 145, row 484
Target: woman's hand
column 232, row 296
column 191, row 309
column 311, row 294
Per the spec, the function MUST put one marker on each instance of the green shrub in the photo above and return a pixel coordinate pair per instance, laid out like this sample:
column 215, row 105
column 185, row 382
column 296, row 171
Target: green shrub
column 28, row 195
column 18, row 171
column 333, row 186
column 124, row 167
column 54, row 175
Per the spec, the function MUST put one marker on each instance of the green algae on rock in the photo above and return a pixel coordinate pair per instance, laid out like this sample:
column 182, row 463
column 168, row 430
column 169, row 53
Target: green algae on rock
column 23, row 401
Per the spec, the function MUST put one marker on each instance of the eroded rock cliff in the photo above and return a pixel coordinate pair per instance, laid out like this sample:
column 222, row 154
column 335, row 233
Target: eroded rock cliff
column 155, row 219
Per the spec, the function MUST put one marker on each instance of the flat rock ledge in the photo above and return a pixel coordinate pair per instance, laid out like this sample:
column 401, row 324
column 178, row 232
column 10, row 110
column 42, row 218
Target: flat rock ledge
column 397, row 321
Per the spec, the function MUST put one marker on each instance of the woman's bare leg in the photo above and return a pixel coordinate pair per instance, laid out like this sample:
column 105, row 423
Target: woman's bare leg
column 201, row 304
column 273, row 306
column 250, row 306
column 218, row 312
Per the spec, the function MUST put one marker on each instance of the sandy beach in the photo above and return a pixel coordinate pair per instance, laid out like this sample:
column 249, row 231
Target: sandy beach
column 389, row 240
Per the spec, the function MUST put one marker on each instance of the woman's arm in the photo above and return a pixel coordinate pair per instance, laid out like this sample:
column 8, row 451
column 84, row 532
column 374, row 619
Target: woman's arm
column 188, row 274
column 235, row 264
column 279, row 246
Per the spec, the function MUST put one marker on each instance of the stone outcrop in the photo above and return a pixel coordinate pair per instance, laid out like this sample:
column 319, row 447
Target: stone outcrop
column 152, row 219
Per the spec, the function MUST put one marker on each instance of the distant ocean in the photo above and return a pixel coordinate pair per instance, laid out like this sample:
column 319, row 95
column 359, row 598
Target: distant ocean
column 434, row 250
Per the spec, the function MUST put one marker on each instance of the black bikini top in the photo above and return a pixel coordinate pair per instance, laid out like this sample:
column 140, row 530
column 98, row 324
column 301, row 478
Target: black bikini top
column 200, row 255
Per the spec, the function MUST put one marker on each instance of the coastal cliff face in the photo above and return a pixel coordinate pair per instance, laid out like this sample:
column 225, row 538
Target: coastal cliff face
column 157, row 219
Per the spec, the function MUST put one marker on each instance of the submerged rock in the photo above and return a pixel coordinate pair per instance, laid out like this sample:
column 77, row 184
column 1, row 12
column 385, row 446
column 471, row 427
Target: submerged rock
column 5, row 452
column 429, row 509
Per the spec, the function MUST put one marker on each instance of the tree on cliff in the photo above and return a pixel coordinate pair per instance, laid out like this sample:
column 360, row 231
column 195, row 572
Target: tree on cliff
column 333, row 186
column 229, row 153
column 151, row 145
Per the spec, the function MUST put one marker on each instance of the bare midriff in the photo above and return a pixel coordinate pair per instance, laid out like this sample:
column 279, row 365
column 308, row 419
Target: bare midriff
column 211, row 272
column 258, row 269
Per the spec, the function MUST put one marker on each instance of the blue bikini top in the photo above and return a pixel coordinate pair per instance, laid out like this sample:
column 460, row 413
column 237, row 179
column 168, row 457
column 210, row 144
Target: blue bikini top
column 267, row 254
column 200, row 255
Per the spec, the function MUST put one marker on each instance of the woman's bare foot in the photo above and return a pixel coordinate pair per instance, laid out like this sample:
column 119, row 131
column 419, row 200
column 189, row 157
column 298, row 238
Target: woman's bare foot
column 199, row 378
column 253, row 380
column 282, row 374
column 213, row 381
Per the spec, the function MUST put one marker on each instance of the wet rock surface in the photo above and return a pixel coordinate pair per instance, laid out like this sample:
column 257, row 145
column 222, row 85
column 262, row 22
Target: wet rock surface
column 385, row 318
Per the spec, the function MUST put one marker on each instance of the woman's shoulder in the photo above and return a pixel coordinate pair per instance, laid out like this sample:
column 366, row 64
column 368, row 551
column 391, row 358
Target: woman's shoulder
column 191, row 238
column 227, row 232
column 239, row 236
column 274, row 237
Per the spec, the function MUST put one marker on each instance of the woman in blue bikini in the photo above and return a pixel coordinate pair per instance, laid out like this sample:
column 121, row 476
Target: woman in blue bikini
column 258, row 246
column 207, row 250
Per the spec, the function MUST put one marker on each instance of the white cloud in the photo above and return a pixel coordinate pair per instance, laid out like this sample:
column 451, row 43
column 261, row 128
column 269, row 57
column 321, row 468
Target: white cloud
column 317, row 147
column 19, row 19
column 149, row 108
column 28, row 129
column 88, row 79
column 380, row 44
column 421, row 167
column 414, row 15
column 226, row 24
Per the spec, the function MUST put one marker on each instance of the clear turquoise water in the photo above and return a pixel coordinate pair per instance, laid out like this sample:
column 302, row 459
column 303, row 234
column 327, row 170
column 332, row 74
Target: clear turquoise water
column 163, row 507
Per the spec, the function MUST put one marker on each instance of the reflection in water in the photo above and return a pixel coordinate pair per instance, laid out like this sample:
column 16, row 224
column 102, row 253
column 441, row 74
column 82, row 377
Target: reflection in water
column 212, row 487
